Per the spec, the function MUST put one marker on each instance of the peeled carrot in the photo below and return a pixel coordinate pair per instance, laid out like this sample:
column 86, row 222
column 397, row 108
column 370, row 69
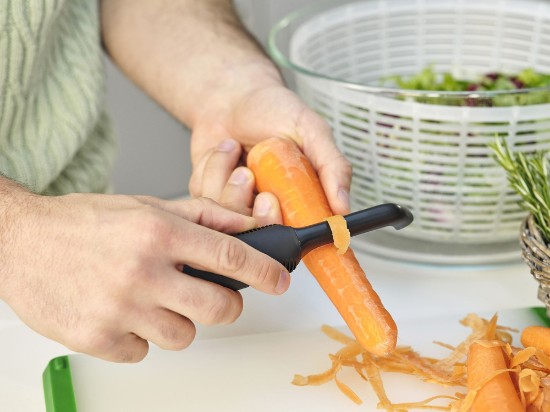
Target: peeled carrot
column 538, row 337
column 496, row 394
column 281, row 168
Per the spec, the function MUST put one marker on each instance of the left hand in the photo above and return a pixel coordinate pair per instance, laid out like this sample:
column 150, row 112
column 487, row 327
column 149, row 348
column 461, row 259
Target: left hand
column 199, row 62
column 223, row 134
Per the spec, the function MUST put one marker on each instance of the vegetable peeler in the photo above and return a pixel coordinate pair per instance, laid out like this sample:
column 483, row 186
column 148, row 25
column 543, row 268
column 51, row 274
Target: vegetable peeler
column 288, row 245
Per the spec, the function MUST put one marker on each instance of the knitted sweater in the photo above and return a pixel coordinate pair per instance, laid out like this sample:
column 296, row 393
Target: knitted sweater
column 55, row 136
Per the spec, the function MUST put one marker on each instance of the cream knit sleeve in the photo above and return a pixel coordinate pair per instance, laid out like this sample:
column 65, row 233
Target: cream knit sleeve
column 55, row 136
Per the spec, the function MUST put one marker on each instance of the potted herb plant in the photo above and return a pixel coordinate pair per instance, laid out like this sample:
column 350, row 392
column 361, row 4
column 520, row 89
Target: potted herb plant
column 528, row 175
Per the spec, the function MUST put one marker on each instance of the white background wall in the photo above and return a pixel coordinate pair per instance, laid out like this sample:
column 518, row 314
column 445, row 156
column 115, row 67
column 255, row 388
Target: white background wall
column 153, row 148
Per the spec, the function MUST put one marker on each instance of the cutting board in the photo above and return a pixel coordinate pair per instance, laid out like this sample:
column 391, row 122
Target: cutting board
column 248, row 373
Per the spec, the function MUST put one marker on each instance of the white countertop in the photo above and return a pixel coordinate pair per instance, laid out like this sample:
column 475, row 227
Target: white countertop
column 409, row 291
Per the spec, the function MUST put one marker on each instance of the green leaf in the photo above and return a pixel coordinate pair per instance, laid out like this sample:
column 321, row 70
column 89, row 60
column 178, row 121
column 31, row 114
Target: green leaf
column 528, row 176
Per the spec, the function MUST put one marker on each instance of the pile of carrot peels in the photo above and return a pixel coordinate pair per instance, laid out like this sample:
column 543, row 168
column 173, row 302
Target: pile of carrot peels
column 521, row 382
column 497, row 376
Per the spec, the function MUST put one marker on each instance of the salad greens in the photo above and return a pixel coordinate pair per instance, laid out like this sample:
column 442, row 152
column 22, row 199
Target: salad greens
column 526, row 87
column 429, row 80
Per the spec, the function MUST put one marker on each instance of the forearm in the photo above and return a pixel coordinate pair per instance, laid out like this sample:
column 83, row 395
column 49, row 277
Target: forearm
column 189, row 55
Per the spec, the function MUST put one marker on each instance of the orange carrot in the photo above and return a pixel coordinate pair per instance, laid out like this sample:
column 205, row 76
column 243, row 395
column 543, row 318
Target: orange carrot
column 488, row 376
column 538, row 337
column 282, row 169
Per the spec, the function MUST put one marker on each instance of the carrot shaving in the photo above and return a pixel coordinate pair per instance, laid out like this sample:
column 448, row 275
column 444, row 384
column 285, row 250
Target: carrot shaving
column 523, row 356
column 336, row 335
column 373, row 375
column 528, row 367
column 444, row 345
column 318, row 379
column 529, row 383
column 340, row 233
column 346, row 390
column 464, row 405
column 425, row 403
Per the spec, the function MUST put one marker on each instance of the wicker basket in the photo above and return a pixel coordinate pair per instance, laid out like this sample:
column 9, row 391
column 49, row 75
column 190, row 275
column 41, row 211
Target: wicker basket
column 536, row 254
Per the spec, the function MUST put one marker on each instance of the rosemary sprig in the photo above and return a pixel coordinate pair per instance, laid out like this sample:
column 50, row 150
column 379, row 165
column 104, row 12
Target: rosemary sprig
column 528, row 176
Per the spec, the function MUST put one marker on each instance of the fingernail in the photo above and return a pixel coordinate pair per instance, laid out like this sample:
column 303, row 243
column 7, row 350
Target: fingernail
column 262, row 207
column 227, row 145
column 239, row 177
column 283, row 283
column 343, row 195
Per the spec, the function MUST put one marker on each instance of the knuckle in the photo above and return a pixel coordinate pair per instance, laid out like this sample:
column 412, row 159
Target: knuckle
column 131, row 355
column 231, row 256
column 177, row 337
column 106, row 343
column 206, row 202
column 346, row 164
column 131, row 276
column 265, row 274
column 219, row 309
column 190, row 298
column 237, row 308
column 205, row 209
column 154, row 229
column 237, row 206
column 93, row 342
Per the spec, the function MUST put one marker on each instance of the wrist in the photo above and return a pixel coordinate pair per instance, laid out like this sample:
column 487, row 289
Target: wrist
column 224, row 91
column 16, row 204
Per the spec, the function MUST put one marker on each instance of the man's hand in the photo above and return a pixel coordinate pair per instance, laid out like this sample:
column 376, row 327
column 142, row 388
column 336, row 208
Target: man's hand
column 197, row 60
column 101, row 274
column 222, row 136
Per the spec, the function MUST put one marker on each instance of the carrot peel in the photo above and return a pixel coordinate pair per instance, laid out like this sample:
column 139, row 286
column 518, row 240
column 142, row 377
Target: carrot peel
column 340, row 233
column 499, row 376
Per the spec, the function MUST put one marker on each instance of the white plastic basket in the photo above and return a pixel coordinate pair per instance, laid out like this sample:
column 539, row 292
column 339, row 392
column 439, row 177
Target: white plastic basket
column 425, row 150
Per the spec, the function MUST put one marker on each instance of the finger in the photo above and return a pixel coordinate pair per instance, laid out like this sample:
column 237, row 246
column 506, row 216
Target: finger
column 218, row 167
column 333, row 168
column 238, row 194
column 219, row 253
column 204, row 212
column 266, row 209
column 226, row 255
column 336, row 179
column 195, row 181
column 200, row 300
column 165, row 328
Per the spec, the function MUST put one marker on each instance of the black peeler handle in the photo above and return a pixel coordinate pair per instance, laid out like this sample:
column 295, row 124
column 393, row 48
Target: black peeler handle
column 278, row 241
column 287, row 245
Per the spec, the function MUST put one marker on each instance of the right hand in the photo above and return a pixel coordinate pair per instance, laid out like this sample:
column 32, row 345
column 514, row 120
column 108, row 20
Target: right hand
column 101, row 274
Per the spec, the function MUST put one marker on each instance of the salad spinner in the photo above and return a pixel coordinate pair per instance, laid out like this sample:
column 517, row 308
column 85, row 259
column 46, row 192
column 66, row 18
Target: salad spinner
column 425, row 149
